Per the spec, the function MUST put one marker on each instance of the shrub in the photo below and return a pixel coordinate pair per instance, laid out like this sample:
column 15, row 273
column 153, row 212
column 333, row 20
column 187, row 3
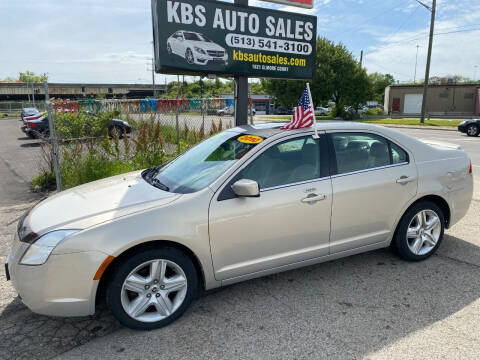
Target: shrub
column 374, row 112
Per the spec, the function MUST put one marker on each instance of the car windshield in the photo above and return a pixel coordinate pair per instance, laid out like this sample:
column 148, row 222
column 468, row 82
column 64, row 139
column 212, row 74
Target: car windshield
column 203, row 164
column 195, row 37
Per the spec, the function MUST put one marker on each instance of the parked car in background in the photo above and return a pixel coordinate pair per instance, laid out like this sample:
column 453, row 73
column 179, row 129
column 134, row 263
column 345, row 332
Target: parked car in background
column 28, row 111
column 39, row 127
column 320, row 111
column 36, row 128
column 282, row 111
column 248, row 202
column 470, row 127
column 228, row 110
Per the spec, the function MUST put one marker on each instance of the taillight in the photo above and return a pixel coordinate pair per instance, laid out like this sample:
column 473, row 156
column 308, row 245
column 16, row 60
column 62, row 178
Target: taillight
column 31, row 125
column 470, row 169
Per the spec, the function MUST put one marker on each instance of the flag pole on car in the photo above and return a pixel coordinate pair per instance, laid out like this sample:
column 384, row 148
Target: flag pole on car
column 315, row 136
column 304, row 115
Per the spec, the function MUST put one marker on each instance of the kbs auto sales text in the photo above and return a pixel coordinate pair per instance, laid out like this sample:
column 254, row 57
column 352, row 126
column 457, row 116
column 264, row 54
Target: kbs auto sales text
column 232, row 20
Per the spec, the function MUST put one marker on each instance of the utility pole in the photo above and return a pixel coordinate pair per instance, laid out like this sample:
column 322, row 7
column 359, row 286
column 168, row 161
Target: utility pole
column 153, row 71
column 33, row 95
column 241, row 90
column 416, row 62
column 28, row 92
column 361, row 58
column 153, row 78
column 475, row 67
column 53, row 136
column 429, row 56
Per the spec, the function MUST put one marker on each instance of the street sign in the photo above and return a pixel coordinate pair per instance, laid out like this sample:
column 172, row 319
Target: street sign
column 308, row 4
column 199, row 37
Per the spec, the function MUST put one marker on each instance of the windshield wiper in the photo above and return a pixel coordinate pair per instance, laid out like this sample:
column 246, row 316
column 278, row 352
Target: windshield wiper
column 158, row 184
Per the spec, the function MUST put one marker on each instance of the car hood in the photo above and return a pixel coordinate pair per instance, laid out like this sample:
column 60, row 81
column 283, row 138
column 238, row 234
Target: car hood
column 206, row 45
column 99, row 201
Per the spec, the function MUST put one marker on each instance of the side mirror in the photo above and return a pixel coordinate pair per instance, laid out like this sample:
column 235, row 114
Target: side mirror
column 246, row 188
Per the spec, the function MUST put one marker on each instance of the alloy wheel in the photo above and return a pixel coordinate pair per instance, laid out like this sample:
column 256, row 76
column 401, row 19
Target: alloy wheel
column 154, row 290
column 472, row 130
column 423, row 232
column 189, row 56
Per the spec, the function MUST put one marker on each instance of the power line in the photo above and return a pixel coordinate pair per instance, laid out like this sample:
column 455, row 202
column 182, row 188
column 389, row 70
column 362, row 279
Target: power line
column 418, row 38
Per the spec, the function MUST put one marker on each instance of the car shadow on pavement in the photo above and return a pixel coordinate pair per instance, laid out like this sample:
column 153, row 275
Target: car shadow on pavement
column 346, row 308
column 31, row 144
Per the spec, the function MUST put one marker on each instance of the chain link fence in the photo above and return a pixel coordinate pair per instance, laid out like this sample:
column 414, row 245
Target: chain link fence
column 92, row 139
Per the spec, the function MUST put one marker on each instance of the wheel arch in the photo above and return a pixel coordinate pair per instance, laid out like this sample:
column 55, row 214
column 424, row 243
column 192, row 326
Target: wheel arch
column 107, row 274
column 437, row 200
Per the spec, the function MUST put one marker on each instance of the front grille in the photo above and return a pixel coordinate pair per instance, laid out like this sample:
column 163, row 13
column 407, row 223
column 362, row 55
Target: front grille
column 215, row 53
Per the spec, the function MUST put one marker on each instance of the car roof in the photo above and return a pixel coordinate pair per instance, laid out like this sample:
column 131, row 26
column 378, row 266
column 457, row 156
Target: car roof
column 266, row 130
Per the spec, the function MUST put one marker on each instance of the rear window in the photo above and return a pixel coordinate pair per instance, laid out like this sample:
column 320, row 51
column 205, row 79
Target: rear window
column 362, row 151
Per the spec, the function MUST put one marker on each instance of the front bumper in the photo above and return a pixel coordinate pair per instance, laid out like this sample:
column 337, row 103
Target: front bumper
column 462, row 128
column 203, row 59
column 63, row 286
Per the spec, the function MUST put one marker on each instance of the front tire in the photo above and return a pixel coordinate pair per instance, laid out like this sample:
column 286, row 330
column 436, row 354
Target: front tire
column 152, row 288
column 169, row 49
column 189, row 57
column 472, row 130
column 420, row 231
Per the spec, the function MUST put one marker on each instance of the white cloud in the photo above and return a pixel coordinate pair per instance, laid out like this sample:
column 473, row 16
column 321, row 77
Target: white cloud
column 453, row 53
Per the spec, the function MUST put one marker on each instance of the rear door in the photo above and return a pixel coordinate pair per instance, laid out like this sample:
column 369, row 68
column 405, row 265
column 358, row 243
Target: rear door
column 373, row 178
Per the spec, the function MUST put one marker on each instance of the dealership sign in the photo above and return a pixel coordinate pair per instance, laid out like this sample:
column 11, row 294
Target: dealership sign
column 203, row 37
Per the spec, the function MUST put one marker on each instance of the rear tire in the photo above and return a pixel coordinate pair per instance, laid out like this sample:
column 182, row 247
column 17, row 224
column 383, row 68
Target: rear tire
column 472, row 130
column 151, row 300
column 420, row 231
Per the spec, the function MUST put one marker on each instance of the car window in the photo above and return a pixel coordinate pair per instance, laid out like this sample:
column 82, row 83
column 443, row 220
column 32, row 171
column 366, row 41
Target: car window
column 285, row 163
column 398, row 154
column 359, row 151
column 205, row 162
column 192, row 36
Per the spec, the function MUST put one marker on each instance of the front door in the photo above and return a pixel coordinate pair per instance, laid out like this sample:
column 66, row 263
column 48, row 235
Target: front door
column 288, row 223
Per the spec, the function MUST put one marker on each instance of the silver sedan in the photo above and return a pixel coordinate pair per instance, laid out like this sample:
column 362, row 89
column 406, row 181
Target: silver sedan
column 247, row 202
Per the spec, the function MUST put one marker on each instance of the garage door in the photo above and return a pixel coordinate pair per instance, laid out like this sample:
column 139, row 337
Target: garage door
column 412, row 104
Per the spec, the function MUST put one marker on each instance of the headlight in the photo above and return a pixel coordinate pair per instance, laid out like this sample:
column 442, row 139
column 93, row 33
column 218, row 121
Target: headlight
column 199, row 50
column 40, row 250
column 125, row 123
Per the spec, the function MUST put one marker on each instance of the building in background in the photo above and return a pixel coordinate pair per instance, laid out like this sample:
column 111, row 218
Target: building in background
column 450, row 100
column 261, row 103
column 17, row 91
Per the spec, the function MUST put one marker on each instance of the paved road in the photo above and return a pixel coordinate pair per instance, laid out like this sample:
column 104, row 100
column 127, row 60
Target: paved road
column 19, row 159
column 373, row 305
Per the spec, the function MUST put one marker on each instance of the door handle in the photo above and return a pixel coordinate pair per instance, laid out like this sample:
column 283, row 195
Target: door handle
column 405, row 179
column 313, row 198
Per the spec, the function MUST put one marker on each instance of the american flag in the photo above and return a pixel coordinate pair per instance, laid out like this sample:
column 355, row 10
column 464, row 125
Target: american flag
column 303, row 116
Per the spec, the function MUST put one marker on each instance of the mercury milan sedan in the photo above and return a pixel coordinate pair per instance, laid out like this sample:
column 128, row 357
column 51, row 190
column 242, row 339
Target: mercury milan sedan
column 247, row 202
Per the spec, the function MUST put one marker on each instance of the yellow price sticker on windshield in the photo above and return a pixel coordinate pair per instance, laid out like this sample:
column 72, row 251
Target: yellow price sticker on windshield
column 250, row 139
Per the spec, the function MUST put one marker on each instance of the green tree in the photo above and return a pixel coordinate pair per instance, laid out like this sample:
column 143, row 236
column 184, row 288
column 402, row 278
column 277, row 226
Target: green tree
column 337, row 77
column 378, row 84
column 29, row 76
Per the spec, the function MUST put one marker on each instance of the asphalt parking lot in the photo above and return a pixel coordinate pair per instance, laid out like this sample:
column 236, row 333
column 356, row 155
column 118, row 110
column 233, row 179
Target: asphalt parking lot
column 372, row 305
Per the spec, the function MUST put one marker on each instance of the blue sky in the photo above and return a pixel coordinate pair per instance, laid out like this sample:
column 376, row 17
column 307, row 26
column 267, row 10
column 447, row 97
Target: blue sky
column 109, row 41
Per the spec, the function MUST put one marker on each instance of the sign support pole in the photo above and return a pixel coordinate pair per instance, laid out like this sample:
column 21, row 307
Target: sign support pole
column 241, row 90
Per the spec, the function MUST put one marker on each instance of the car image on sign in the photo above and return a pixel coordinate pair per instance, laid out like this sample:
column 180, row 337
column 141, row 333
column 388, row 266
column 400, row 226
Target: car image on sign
column 195, row 48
